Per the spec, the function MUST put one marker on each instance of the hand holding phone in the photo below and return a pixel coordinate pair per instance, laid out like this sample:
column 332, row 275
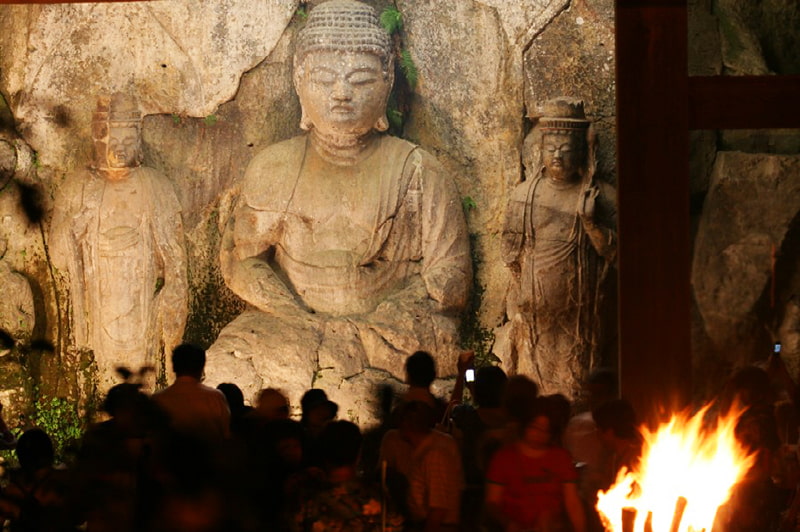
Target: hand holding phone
column 776, row 349
column 466, row 359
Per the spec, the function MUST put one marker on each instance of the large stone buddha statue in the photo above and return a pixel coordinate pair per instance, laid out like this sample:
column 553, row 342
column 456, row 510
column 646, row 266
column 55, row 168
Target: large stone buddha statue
column 349, row 245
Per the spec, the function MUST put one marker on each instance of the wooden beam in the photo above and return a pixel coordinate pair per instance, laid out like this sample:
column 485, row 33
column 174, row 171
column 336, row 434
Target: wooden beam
column 653, row 188
column 25, row 2
column 635, row 4
column 744, row 102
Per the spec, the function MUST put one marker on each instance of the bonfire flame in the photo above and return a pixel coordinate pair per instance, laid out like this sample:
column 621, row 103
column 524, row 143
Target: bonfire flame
column 686, row 473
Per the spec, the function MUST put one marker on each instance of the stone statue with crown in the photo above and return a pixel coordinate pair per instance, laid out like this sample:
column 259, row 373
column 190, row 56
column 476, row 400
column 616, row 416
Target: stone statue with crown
column 117, row 236
column 349, row 246
column 559, row 242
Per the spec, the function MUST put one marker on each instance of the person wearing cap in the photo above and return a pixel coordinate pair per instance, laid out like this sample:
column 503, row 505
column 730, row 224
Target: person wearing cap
column 349, row 245
column 559, row 242
column 317, row 411
column 117, row 236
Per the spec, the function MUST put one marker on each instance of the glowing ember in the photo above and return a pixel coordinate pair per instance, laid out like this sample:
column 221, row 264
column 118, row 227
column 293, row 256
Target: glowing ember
column 686, row 468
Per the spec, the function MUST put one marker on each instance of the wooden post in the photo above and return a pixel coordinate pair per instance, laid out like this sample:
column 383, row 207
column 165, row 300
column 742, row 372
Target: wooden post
column 628, row 519
column 680, row 506
column 653, row 187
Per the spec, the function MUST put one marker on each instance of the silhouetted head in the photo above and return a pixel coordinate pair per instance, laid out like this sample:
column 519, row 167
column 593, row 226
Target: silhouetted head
column 233, row 394
column 340, row 444
column 519, row 397
column 619, row 417
column 420, row 369
column 272, row 404
column 601, row 385
column 132, row 410
column 286, row 438
column 35, row 450
column 122, row 396
column 188, row 360
column 560, row 410
column 316, row 408
column 490, row 382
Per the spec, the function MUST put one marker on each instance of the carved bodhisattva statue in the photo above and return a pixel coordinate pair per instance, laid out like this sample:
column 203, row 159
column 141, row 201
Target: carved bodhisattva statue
column 559, row 242
column 118, row 236
column 349, row 245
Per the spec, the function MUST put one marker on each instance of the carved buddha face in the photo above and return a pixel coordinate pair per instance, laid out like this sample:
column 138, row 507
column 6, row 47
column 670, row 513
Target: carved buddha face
column 343, row 93
column 123, row 147
column 562, row 155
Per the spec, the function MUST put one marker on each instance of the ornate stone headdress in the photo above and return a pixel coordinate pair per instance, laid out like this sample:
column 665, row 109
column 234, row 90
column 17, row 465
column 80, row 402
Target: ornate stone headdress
column 118, row 110
column 344, row 25
column 563, row 113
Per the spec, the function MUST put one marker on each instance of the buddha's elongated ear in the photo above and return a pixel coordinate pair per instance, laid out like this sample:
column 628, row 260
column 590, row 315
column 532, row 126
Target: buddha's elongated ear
column 297, row 79
column 305, row 122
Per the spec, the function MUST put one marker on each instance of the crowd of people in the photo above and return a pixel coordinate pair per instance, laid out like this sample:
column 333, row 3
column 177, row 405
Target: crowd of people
column 196, row 458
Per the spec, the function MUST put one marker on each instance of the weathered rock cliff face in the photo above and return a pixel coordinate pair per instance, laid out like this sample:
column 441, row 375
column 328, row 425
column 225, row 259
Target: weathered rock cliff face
column 745, row 231
column 744, row 199
column 216, row 88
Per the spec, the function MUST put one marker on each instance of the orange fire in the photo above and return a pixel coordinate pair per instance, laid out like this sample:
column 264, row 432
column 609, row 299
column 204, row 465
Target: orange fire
column 686, row 473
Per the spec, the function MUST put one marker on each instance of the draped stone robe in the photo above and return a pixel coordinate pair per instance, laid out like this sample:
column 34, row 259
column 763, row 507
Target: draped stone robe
column 344, row 267
column 121, row 245
column 555, row 297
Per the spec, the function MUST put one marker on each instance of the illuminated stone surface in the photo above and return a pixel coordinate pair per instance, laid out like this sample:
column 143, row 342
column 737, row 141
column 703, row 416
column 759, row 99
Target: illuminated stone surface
column 180, row 56
column 117, row 237
column 349, row 245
